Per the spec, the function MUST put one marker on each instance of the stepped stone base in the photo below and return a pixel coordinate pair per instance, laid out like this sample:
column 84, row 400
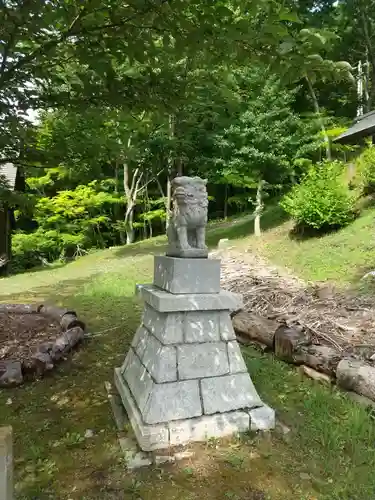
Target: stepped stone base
column 184, row 378
column 153, row 437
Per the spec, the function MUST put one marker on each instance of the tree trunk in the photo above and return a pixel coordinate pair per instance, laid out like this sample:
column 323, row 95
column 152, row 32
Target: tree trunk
column 129, row 229
column 251, row 327
column 226, row 202
column 319, row 116
column 370, row 53
column 169, row 172
column 117, row 207
column 132, row 189
column 180, row 167
column 258, row 208
column 357, row 376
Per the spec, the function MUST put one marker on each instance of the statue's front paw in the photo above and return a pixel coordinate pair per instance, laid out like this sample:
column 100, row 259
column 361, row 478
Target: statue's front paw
column 202, row 246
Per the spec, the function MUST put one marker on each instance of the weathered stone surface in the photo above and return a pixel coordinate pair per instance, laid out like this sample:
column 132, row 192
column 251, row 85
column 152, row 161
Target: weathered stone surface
column 172, row 401
column 149, row 437
column 164, row 459
column 6, row 464
column 202, row 360
column 166, row 302
column 236, row 361
column 226, row 327
column 128, row 358
column 168, row 328
column 201, row 326
column 10, row 373
column 182, row 455
column 176, row 275
column 205, row 427
column 140, row 459
column 186, row 229
column 262, row 419
column 138, row 379
column 160, row 361
column 231, row 392
column 140, row 340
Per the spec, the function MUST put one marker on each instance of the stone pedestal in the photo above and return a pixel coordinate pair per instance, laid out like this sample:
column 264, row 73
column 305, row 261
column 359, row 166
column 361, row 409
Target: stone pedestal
column 184, row 378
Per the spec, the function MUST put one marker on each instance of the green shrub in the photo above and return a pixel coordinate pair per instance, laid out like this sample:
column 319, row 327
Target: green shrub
column 322, row 201
column 31, row 250
column 365, row 170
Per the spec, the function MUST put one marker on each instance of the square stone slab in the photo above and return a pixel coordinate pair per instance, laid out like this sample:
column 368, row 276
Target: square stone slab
column 178, row 276
column 163, row 301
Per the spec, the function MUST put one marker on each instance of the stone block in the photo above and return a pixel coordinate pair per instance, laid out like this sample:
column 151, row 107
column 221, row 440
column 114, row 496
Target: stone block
column 166, row 327
column 208, row 426
column 262, row 418
column 160, row 361
column 140, row 459
column 226, row 327
column 236, row 361
column 177, row 275
column 173, row 401
column 164, row 459
column 164, row 301
column 231, row 392
column 201, row 326
column 149, row 437
column 202, row 360
column 128, row 357
column 138, row 379
column 6, row 464
column 140, row 339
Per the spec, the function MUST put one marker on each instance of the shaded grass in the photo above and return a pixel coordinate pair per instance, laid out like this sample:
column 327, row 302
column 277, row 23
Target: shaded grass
column 329, row 453
column 342, row 256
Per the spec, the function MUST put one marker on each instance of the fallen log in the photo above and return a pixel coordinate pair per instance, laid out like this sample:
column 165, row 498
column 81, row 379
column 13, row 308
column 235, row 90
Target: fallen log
column 254, row 327
column 321, row 358
column 288, row 341
column 357, row 376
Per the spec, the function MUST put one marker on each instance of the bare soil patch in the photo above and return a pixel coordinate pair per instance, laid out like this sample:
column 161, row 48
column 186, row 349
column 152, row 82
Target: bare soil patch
column 21, row 334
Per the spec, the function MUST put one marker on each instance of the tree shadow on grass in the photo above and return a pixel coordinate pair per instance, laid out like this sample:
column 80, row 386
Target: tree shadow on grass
column 272, row 217
column 50, row 416
column 152, row 246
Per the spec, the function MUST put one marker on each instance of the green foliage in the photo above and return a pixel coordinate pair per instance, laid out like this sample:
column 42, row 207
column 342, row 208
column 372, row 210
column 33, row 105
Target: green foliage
column 267, row 136
column 68, row 223
column 37, row 248
column 365, row 170
column 322, row 201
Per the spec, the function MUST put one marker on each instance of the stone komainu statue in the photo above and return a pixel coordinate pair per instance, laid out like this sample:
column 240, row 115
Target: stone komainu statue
column 187, row 227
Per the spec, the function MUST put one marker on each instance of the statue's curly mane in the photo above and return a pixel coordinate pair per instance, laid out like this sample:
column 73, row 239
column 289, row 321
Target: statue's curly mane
column 190, row 195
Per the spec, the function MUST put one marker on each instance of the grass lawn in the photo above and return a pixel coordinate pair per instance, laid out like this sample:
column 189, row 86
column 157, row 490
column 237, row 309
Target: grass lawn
column 329, row 452
column 343, row 256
